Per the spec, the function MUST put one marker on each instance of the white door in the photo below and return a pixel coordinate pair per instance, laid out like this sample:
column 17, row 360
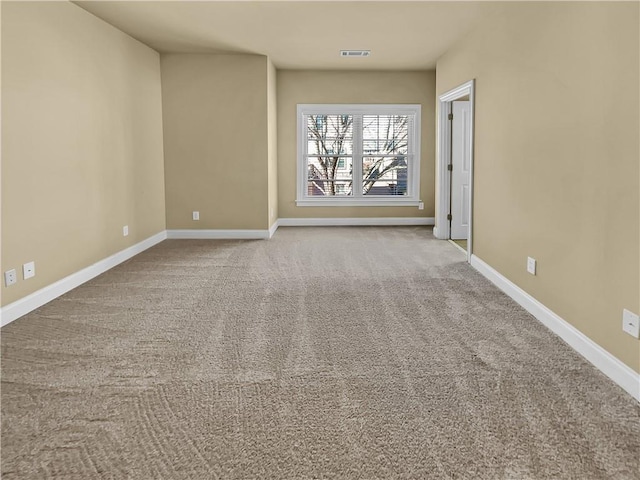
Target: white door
column 460, row 159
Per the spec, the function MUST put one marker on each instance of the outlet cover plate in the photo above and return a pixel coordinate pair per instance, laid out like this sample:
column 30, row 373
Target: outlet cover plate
column 631, row 323
column 531, row 265
column 29, row 270
column 10, row 277
column 125, row 230
column 196, row 215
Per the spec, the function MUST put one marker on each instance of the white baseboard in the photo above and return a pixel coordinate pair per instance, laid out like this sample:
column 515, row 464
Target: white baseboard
column 435, row 232
column 219, row 234
column 21, row 307
column 273, row 228
column 359, row 221
column 613, row 368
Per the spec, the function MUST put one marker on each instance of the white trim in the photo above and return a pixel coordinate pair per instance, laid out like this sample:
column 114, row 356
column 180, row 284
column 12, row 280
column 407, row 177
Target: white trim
column 613, row 368
column 357, row 110
column 21, row 307
column 443, row 176
column 218, row 234
column 359, row 222
column 273, row 228
column 356, row 202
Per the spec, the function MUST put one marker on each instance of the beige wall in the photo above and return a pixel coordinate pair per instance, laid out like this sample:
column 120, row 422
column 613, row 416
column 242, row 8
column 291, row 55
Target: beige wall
column 216, row 140
column 272, row 107
column 81, row 142
column 556, row 157
column 296, row 87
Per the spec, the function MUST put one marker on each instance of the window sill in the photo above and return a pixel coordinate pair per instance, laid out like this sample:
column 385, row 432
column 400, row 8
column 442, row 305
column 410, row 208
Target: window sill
column 356, row 202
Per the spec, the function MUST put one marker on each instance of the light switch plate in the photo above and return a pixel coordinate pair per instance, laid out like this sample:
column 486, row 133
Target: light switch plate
column 631, row 323
column 29, row 270
column 531, row 265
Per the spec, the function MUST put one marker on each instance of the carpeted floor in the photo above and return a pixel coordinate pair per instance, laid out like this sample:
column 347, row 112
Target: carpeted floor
column 325, row 353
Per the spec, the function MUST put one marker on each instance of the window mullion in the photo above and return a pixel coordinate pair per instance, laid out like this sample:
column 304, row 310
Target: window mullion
column 303, row 168
column 357, row 156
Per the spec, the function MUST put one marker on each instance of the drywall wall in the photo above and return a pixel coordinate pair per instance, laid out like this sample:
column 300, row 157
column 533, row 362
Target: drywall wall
column 272, row 107
column 81, row 142
column 216, row 140
column 329, row 87
column 556, row 157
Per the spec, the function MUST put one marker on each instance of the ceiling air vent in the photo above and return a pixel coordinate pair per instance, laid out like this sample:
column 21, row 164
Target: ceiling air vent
column 355, row 53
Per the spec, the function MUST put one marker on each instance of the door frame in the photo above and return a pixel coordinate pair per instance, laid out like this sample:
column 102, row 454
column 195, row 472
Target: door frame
column 443, row 176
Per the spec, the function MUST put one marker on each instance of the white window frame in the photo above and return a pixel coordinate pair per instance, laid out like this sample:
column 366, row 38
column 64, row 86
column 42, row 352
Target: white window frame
column 412, row 199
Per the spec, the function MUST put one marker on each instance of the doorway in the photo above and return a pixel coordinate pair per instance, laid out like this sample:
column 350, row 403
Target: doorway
column 454, row 168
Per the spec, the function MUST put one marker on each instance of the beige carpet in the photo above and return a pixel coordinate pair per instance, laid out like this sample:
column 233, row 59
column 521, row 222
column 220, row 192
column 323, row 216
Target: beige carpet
column 335, row 353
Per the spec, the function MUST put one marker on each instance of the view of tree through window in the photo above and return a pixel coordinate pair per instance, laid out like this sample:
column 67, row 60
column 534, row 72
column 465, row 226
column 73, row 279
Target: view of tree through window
column 384, row 159
column 382, row 151
column 330, row 154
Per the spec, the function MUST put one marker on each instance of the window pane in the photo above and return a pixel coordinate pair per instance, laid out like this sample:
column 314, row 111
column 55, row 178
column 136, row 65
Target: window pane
column 385, row 134
column 329, row 176
column 384, row 175
column 332, row 126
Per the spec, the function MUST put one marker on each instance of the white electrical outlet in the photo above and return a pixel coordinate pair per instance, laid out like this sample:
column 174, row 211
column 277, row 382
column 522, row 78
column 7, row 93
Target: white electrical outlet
column 29, row 270
column 631, row 323
column 421, row 206
column 196, row 215
column 10, row 277
column 125, row 230
column 531, row 265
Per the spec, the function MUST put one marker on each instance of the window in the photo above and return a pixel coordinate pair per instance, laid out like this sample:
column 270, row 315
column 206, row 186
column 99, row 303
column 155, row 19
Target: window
column 358, row 155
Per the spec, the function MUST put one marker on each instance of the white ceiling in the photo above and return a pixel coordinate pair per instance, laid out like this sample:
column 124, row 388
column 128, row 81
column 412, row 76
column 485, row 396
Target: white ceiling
column 300, row 34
